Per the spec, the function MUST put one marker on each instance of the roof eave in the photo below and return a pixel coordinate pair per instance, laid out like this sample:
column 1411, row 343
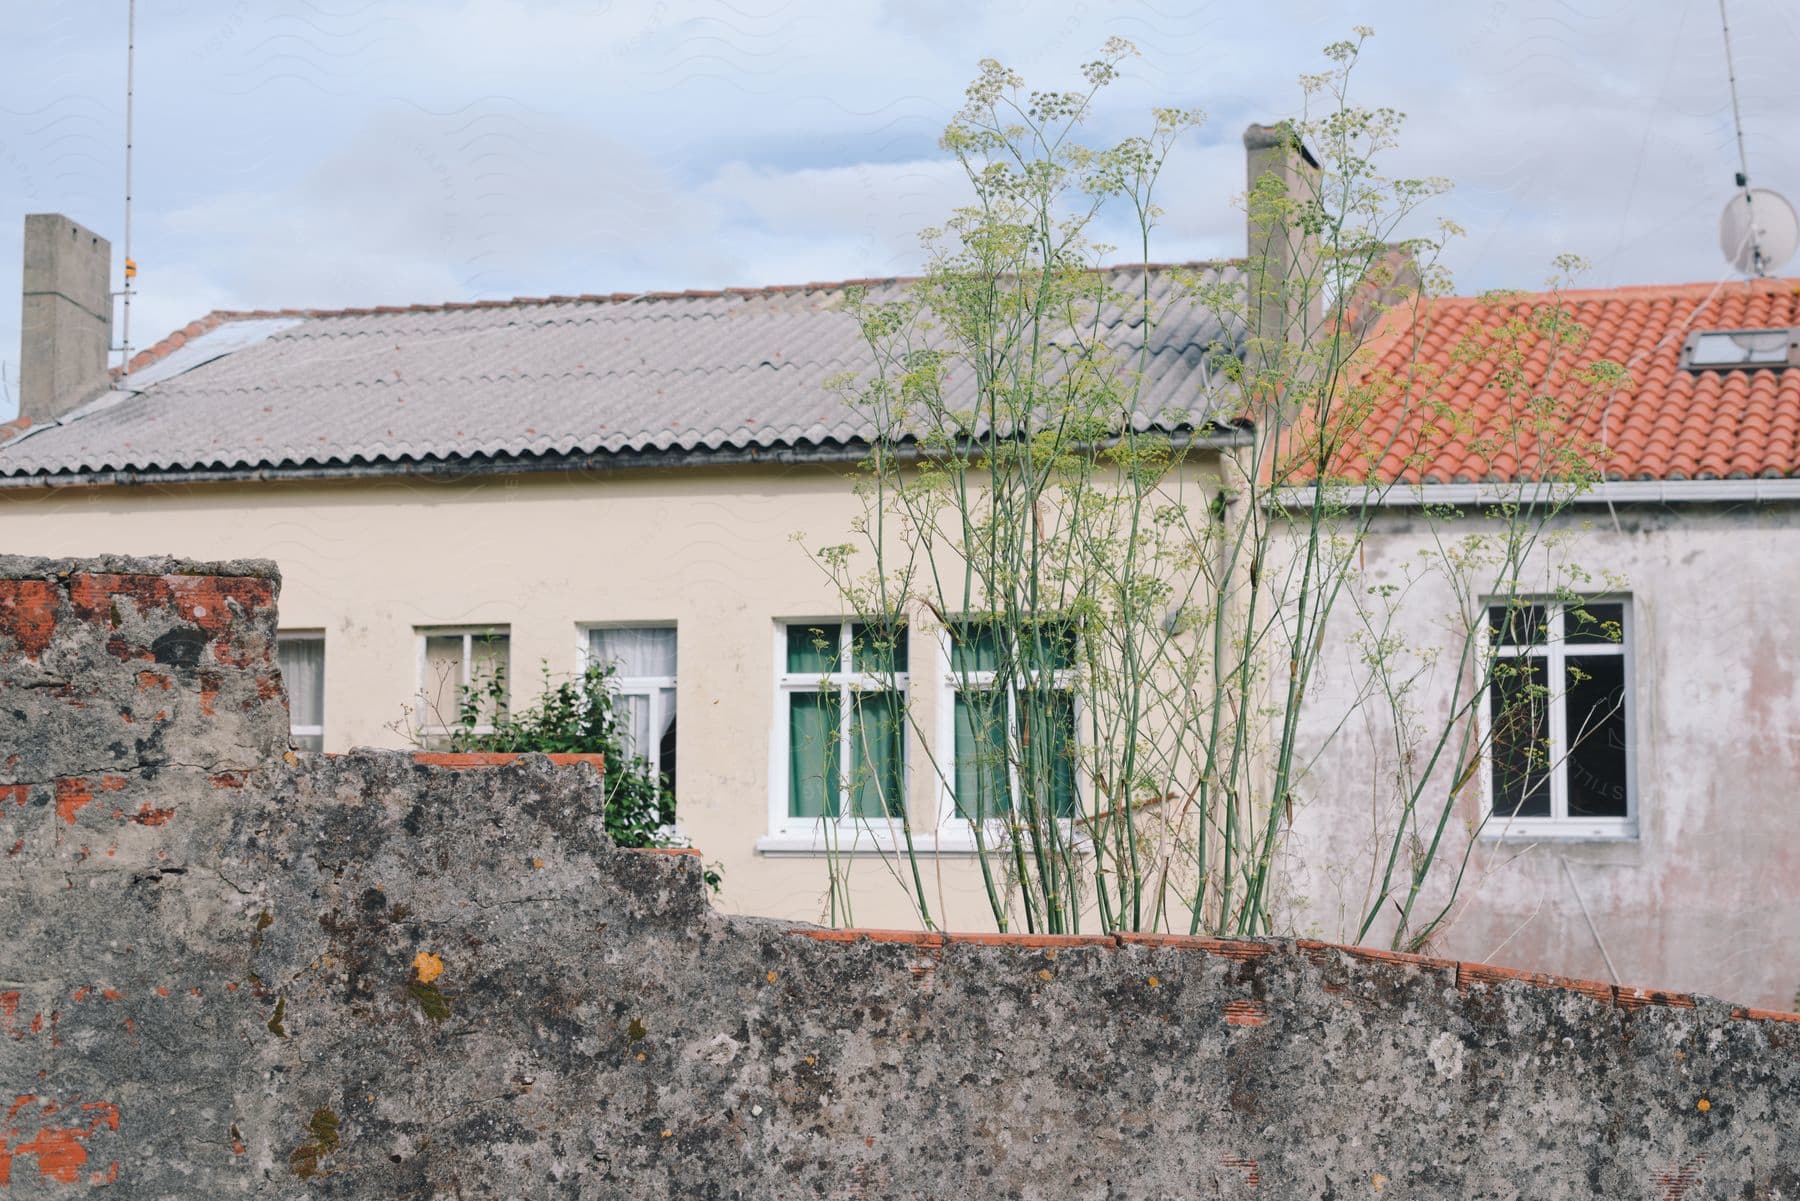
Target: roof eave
column 1213, row 438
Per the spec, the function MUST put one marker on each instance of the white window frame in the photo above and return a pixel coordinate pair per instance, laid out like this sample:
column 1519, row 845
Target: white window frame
column 849, row 833
column 650, row 687
column 952, row 826
column 468, row 634
column 299, row 731
column 1555, row 652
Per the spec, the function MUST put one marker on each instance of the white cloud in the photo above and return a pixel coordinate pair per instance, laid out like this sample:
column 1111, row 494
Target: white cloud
column 292, row 153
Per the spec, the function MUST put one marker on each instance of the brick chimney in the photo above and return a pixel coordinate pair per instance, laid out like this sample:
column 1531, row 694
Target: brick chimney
column 1286, row 297
column 66, row 318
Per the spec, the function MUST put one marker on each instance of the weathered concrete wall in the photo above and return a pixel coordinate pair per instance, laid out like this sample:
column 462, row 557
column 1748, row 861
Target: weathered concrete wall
column 233, row 972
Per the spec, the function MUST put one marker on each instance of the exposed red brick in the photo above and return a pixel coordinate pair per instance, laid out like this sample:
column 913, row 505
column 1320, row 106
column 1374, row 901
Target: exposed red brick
column 1246, row 1013
column 206, row 601
column 228, row 779
column 147, row 816
column 72, row 794
column 28, row 614
column 1765, row 1015
column 16, row 793
column 61, row 1151
column 1242, row 1164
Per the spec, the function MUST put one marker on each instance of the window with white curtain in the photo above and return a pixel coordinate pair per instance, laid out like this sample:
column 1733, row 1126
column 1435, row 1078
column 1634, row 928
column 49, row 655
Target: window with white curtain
column 644, row 659
column 302, row 659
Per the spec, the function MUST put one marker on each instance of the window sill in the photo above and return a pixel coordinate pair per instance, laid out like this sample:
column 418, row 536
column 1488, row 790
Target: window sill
column 862, row 840
column 956, row 839
column 1545, row 830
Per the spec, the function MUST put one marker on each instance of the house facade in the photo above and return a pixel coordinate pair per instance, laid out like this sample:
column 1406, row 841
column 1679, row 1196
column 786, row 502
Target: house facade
column 637, row 479
column 537, row 484
column 1656, row 836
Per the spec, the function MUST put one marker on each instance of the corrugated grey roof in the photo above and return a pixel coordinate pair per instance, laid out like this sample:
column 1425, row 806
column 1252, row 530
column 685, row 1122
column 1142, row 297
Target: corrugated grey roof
column 685, row 372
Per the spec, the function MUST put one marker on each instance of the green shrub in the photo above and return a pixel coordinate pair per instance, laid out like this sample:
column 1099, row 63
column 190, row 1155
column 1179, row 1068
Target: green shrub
column 579, row 715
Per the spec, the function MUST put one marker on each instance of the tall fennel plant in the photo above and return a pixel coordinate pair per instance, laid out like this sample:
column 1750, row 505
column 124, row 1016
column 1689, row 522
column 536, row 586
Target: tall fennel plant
column 1133, row 595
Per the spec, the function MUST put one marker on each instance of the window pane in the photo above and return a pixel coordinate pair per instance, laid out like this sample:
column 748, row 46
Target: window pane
column 640, row 651
column 1521, row 717
column 634, row 720
column 813, row 648
column 489, row 654
column 980, row 790
column 813, row 775
column 1047, row 752
column 1595, row 708
column 1047, row 646
column 440, row 692
column 1518, row 624
column 1594, row 623
column 877, row 750
column 1741, row 348
column 666, row 740
column 878, row 650
column 303, row 671
column 974, row 646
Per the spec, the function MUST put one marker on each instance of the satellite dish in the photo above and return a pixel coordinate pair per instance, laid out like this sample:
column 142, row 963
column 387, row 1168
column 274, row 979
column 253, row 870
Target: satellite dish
column 1758, row 231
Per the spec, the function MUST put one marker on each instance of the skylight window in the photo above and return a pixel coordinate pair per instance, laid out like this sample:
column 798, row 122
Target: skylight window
column 1740, row 350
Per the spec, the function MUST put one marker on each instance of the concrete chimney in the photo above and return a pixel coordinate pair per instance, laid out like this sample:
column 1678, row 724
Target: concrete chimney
column 1286, row 298
column 66, row 319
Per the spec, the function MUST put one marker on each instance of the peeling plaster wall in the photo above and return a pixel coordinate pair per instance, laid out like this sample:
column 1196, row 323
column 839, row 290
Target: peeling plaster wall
column 231, row 971
column 1707, row 896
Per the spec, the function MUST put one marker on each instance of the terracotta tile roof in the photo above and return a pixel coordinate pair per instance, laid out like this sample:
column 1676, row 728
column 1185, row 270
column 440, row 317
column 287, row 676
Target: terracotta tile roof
column 1504, row 387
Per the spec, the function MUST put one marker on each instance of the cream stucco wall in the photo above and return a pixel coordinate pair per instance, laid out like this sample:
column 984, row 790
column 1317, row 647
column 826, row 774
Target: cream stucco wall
column 710, row 550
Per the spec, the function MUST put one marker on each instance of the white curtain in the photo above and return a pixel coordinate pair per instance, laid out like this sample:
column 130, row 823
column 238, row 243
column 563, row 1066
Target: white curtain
column 638, row 652
column 303, row 671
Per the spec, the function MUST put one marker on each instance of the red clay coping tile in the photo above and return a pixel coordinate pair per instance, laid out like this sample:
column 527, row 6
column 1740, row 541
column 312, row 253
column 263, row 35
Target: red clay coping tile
column 469, row 759
column 1468, row 976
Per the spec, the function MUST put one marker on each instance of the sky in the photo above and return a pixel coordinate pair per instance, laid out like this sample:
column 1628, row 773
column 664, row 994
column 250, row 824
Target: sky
column 322, row 153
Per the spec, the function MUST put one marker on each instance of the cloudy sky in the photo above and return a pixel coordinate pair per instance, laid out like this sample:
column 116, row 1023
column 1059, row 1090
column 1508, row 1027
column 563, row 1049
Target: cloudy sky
column 351, row 152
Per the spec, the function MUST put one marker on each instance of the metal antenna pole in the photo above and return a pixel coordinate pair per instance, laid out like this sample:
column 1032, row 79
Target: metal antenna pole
column 130, row 266
column 1737, row 120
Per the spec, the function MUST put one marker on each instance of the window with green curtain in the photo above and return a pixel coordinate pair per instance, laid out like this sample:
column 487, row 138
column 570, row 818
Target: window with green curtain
column 985, row 659
column 813, row 768
column 849, row 715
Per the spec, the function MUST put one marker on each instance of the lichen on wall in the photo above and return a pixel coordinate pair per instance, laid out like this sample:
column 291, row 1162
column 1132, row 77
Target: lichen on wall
column 234, row 971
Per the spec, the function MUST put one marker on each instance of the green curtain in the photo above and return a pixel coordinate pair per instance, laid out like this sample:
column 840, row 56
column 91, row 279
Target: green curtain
column 1047, row 749
column 975, row 647
column 813, row 648
column 981, row 789
column 813, row 774
column 877, row 756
